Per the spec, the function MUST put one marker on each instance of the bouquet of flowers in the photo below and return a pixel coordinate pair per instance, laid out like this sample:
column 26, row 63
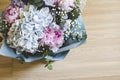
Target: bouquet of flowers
column 41, row 29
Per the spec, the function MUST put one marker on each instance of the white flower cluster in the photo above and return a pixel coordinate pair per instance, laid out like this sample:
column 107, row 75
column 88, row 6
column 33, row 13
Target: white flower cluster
column 24, row 34
column 76, row 30
column 42, row 17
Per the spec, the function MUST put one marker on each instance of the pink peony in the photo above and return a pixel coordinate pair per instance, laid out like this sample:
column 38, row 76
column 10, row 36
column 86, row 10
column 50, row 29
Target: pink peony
column 53, row 38
column 65, row 4
column 11, row 14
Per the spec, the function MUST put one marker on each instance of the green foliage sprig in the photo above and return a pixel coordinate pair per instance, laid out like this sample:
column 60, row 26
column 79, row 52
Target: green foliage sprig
column 74, row 14
column 37, row 3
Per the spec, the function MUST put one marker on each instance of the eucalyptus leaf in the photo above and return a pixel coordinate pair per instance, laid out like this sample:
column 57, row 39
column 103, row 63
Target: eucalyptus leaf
column 50, row 67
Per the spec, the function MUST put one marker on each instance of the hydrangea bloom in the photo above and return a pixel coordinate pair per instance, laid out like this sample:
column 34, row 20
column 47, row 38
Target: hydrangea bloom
column 43, row 16
column 24, row 34
column 11, row 14
column 53, row 37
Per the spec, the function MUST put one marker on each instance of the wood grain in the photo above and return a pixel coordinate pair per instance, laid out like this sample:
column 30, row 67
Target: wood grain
column 98, row 59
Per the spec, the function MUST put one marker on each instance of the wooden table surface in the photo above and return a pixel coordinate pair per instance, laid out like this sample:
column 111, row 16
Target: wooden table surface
column 98, row 59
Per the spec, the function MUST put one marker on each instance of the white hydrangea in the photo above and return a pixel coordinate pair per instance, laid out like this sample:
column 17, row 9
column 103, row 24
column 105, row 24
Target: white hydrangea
column 43, row 16
column 24, row 36
column 24, row 33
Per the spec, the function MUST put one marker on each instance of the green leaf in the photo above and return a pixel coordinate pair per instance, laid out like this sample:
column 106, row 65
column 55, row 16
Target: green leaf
column 74, row 14
column 50, row 67
column 37, row 3
column 20, row 59
column 48, row 64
